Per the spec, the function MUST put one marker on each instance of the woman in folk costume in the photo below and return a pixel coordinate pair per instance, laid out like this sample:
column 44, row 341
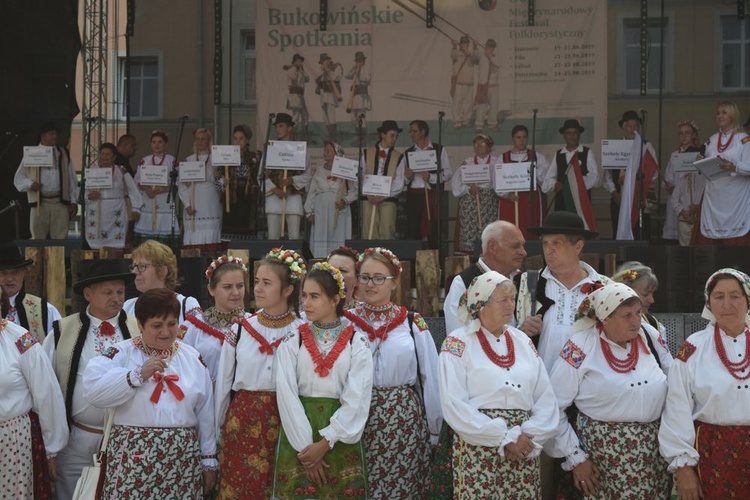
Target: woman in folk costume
column 705, row 428
column 244, row 192
column 157, row 216
column 612, row 372
column 226, row 284
column 725, row 213
column 345, row 259
column 32, row 415
column 496, row 396
column 203, row 208
column 247, row 414
column 323, row 387
column 405, row 416
column 163, row 440
column 327, row 205
column 106, row 211
column 685, row 188
column 477, row 203
column 520, row 153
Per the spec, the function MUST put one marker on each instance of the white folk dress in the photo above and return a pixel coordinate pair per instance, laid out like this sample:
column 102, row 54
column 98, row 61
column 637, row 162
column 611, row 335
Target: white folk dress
column 107, row 217
column 158, row 206
column 322, row 196
column 203, row 228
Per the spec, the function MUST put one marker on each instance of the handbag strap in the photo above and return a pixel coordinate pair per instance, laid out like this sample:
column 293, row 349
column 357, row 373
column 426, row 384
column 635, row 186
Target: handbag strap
column 108, row 426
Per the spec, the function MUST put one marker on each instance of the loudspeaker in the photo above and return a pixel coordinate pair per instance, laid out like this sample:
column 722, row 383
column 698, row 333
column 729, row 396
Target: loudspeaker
column 404, row 249
column 259, row 248
column 192, row 278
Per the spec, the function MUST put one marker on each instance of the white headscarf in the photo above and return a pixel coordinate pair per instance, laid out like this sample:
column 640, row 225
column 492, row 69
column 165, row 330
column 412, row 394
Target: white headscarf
column 600, row 304
column 476, row 297
column 744, row 280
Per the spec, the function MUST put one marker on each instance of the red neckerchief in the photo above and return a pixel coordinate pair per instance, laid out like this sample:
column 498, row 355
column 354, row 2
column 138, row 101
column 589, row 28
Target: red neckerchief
column 382, row 332
column 265, row 346
column 323, row 365
column 206, row 328
column 171, row 382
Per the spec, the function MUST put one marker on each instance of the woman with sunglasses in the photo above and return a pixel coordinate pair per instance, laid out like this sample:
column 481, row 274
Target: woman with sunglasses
column 405, row 416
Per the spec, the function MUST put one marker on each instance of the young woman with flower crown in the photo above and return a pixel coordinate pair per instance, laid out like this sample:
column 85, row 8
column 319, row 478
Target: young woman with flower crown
column 323, row 387
column 405, row 416
column 345, row 259
column 249, row 425
column 225, row 279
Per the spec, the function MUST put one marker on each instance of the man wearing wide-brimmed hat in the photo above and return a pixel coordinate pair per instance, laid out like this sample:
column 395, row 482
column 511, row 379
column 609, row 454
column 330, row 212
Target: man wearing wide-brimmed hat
column 296, row 78
column 26, row 310
column 359, row 102
column 75, row 340
column 383, row 159
column 52, row 191
column 464, row 58
column 329, row 89
column 572, row 177
column 487, row 98
column 562, row 285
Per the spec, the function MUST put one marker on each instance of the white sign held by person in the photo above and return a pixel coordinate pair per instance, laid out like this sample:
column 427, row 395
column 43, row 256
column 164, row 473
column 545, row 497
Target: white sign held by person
column 98, row 178
column 228, row 156
column 38, row 156
column 423, row 161
column 616, row 153
column 344, row 168
column 286, row 155
column 154, row 175
column 377, row 185
column 683, row 162
column 512, row 177
column 192, row 171
column 475, row 174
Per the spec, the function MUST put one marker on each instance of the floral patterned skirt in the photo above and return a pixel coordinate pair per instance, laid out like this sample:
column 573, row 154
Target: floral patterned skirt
column 627, row 456
column 16, row 470
column 469, row 228
column 346, row 472
column 249, row 438
column 479, row 472
column 724, row 464
column 441, row 470
column 397, row 443
column 153, row 462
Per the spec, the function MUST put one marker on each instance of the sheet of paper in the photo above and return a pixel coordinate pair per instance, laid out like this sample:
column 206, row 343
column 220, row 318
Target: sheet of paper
column 377, row 185
column 192, row 171
column 616, row 152
column 286, row 155
column 709, row 167
column 154, row 175
column 98, row 178
column 475, row 174
column 512, row 177
column 226, row 155
column 38, row 156
column 423, row 161
column 343, row 168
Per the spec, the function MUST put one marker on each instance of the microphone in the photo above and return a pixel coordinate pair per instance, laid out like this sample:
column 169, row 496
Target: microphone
column 535, row 110
column 185, row 117
column 271, row 115
column 362, row 116
column 642, row 111
column 441, row 114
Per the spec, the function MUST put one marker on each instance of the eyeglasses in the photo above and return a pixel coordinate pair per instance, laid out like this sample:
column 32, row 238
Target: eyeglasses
column 376, row 280
column 139, row 267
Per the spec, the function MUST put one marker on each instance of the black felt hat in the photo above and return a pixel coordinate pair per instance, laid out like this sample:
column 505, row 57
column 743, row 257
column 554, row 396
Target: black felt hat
column 101, row 270
column 389, row 125
column 11, row 256
column 284, row 118
column 629, row 115
column 562, row 222
column 572, row 123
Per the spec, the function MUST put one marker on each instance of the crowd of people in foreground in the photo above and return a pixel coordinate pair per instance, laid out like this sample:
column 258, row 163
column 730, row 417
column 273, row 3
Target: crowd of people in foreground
column 330, row 390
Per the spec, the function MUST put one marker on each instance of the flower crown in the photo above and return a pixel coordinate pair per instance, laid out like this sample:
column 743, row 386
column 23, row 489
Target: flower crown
column 292, row 260
column 224, row 259
column 689, row 122
column 353, row 251
column 335, row 274
column 385, row 253
column 629, row 275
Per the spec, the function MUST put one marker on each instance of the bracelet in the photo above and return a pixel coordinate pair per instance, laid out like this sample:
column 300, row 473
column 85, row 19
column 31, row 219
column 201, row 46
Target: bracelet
column 208, row 457
column 127, row 377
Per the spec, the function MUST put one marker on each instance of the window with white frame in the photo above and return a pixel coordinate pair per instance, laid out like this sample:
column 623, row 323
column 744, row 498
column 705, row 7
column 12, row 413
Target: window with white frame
column 247, row 70
column 144, row 87
column 631, row 34
column 735, row 53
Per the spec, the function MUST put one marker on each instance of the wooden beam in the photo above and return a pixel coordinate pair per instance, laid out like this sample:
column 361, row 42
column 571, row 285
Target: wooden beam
column 428, row 282
column 245, row 256
column 54, row 271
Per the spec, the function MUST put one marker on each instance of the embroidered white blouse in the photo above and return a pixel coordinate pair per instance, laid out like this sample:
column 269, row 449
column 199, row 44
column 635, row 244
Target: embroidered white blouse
column 188, row 306
column 207, row 345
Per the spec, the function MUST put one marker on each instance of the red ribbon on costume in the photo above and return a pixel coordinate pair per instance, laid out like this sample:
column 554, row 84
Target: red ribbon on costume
column 265, row 346
column 106, row 329
column 171, row 381
column 588, row 288
column 382, row 153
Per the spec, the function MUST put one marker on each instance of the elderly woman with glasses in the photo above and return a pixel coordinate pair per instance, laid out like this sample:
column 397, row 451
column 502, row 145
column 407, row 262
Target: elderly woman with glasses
column 496, row 396
column 610, row 371
column 705, row 430
column 405, row 412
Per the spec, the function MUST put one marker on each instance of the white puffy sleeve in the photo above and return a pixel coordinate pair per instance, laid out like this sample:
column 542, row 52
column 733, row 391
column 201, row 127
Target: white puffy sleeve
column 458, row 187
column 105, row 383
column 677, row 432
column 550, row 177
column 296, row 425
column 543, row 422
column 450, row 305
column 136, row 200
column 566, row 380
column 348, row 422
column 224, row 379
column 428, row 367
column 204, row 411
column 592, row 177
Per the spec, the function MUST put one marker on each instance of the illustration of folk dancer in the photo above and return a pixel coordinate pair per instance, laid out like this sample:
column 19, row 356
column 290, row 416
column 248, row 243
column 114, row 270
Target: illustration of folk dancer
column 296, row 78
column 359, row 98
column 575, row 172
column 462, row 81
column 487, row 98
column 383, row 159
column 329, row 89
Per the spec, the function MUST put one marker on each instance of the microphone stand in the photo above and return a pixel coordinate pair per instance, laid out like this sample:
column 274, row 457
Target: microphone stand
column 360, row 178
column 172, row 193
column 7, row 148
column 262, row 175
column 640, row 177
column 439, row 188
column 15, row 206
column 532, row 170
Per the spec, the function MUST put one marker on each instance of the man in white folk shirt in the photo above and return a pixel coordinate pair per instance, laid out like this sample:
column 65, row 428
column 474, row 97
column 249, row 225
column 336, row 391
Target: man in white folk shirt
column 417, row 223
column 502, row 251
column 72, row 343
column 29, row 311
column 562, row 285
column 52, row 191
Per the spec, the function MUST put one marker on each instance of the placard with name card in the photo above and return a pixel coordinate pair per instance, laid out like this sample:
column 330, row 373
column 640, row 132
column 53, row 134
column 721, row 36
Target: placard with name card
column 344, row 168
column 423, row 161
column 228, row 156
column 286, row 155
column 683, row 162
column 38, row 156
column 475, row 174
column 154, row 175
column 616, row 152
column 98, row 178
column 512, row 177
column 192, row 171
column 377, row 185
